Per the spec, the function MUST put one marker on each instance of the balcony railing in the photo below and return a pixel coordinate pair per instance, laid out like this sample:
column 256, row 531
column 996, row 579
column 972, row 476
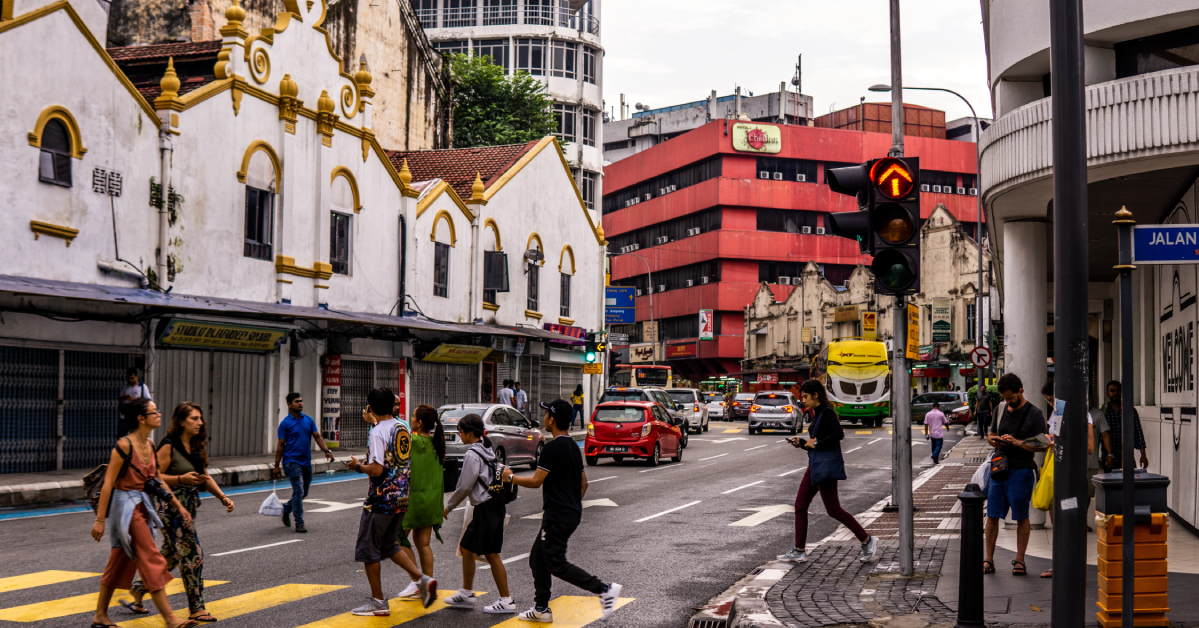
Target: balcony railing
column 427, row 17
column 499, row 16
column 454, row 18
column 531, row 14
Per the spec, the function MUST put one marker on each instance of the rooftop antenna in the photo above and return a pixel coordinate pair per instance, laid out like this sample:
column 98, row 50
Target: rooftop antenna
column 797, row 80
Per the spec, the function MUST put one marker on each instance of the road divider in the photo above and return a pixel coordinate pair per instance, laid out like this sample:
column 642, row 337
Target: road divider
column 667, row 512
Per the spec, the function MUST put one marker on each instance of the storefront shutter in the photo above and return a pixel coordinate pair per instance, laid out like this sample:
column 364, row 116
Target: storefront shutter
column 28, row 400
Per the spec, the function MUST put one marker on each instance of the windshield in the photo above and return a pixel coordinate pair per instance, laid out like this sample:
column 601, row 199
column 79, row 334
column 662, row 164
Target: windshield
column 451, row 415
column 622, row 395
column 619, row 415
column 713, row 397
column 743, row 397
column 684, row 396
column 772, row 400
column 652, row 377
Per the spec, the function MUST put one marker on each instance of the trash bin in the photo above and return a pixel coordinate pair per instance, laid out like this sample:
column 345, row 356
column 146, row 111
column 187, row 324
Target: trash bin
column 1150, row 523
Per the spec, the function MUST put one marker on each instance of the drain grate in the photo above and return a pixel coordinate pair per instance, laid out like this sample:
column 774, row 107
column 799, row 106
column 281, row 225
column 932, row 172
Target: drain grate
column 706, row 622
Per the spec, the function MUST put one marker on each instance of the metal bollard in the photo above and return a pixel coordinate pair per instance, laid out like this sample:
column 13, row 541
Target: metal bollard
column 970, row 574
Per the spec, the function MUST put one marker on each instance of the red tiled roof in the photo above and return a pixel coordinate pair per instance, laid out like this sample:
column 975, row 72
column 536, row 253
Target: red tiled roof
column 457, row 166
column 156, row 52
column 151, row 90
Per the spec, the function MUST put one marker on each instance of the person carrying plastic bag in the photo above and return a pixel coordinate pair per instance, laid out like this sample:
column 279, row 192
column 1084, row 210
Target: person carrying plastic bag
column 1042, row 495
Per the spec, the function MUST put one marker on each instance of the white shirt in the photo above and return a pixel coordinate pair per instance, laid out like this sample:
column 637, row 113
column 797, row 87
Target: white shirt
column 521, row 400
column 136, row 391
column 1055, row 419
column 380, row 440
column 505, row 396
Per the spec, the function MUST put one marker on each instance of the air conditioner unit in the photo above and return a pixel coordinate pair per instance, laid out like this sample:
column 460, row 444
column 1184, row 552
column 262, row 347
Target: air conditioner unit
column 801, row 178
column 819, row 230
column 924, row 187
column 961, row 190
column 784, row 281
column 778, row 176
column 648, row 196
column 693, row 232
column 639, row 292
column 704, row 279
column 661, row 288
column 690, row 283
column 661, row 191
column 937, row 189
column 973, row 192
column 628, row 203
column 805, row 230
column 673, row 188
column 635, row 246
column 624, row 249
column 763, row 175
column 661, row 240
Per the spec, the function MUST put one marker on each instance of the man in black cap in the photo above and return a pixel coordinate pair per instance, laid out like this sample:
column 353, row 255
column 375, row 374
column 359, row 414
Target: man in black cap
column 560, row 472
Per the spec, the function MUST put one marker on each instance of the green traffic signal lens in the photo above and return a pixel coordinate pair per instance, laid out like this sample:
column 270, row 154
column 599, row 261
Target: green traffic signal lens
column 893, row 269
column 590, row 357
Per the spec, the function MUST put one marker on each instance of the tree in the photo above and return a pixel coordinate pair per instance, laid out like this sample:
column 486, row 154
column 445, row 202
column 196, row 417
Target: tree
column 491, row 108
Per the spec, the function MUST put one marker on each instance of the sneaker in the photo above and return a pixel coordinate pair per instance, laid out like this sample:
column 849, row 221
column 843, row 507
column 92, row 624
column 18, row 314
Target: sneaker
column 373, row 607
column 428, row 590
column 608, row 599
column 546, row 617
column 300, row 528
column 868, row 549
column 286, row 518
column 461, row 599
column 500, row 607
column 410, row 592
column 794, row 556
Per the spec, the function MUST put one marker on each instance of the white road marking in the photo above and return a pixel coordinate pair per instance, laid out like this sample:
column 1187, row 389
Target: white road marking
column 666, row 512
column 587, row 503
column 792, row 471
column 332, row 506
column 721, row 441
column 874, row 441
column 762, row 514
column 781, row 441
column 506, row 561
column 250, row 549
column 711, row 457
column 668, row 466
column 733, row 490
column 601, row 479
column 753, row 448
column 853, row 450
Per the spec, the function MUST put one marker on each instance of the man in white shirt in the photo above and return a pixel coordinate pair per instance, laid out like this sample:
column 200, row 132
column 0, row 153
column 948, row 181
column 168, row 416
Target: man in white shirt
column 520, row 398
column 134, row 389
column 505, row 394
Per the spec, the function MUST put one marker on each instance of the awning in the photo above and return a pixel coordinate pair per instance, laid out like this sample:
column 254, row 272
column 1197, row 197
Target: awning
column 761, row 331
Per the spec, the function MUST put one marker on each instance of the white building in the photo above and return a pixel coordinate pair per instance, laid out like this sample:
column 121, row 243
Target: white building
column 557, row 41
column 1142, row 90
column 283, row 259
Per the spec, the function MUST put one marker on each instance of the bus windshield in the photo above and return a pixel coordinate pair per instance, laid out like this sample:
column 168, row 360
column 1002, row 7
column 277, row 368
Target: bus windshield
column 652, row 377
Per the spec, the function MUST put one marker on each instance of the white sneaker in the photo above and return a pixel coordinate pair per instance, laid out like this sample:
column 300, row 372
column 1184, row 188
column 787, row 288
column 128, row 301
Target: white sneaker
column 500, row 607
column 461, row 599
column 868, row 549
column 428, row 590
column 608, row 599
column 534, row 615
column 411, row 592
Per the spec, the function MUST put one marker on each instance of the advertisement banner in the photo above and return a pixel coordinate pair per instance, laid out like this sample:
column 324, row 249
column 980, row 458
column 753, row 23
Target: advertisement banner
column 913, row 349
column 458, row 354
column 685, row 350
column 846, row 313
column 768, row 378
column 644, row 352
column 707, row 325
column 942, row 315
column 331, row 399
column 649, row 331
column 870, row 324
column 184, row 333
column 757, row 138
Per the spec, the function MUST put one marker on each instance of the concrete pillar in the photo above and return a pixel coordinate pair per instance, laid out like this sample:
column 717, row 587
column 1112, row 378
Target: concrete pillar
column 1024, row 312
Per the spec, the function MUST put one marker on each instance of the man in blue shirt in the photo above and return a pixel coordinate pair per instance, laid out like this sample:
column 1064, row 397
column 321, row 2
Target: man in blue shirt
column 295, row 452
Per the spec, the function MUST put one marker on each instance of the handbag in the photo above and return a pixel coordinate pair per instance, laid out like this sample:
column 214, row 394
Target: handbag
column 998, row 460
column 824, row 466
column 1042, row 493
column 93, row 482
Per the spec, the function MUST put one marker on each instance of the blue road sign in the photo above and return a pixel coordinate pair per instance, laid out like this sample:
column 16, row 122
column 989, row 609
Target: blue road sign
column 619, row 296
column 1165, row 244
column 620, row 316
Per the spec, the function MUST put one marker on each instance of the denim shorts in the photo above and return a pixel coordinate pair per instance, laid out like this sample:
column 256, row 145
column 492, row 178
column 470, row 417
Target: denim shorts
column 1014, row 491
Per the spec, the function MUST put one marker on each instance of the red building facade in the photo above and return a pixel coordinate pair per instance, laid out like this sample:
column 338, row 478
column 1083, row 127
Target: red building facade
column 713, row 218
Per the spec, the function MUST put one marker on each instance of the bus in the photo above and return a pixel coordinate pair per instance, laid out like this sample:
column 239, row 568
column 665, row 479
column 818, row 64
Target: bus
column 857, row 376
column 641, row 375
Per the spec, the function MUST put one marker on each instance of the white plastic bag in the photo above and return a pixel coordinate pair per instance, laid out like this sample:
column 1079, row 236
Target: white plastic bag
column 982, row 477
column 271, row 506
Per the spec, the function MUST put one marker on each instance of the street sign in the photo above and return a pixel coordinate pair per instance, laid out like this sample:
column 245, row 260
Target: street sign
column 618, row 339
column 912, row 351
column 620, row 305
column 596, row 368
column 942, row 314
column 981, row 357
column 1165, row 244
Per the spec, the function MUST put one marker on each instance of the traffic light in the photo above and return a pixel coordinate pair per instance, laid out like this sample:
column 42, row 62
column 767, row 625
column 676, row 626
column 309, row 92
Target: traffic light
column 597, row 343
column 888, row 225
column 854, row 181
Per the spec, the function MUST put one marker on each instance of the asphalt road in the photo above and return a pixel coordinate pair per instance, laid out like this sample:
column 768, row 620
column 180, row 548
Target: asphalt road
column 668, row 563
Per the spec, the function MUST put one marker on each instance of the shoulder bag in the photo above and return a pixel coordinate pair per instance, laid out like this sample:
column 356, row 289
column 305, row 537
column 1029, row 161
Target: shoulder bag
column 93, row 482
column 999, row 460
column 499, row 490
column 825, row 466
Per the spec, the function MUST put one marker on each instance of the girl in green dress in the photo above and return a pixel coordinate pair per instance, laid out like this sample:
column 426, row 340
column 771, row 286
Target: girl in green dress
column 427, row 493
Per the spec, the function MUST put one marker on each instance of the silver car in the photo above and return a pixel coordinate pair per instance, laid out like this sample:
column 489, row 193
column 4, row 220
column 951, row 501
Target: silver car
column 715, row 403
column 775, row 409
column 694, row 407
column 949, row 399
column 516, row 440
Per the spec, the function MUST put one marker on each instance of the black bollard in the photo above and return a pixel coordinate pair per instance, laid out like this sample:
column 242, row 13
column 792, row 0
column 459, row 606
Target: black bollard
column 970, row 574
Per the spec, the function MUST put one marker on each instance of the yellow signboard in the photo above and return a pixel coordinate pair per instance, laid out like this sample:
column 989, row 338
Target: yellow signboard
column 870, row 324
column 596, row 368
column 846, row 313
column 185, row 333
column 458, row 354
column 805, row 335
column 757, row 138
column 913, row 349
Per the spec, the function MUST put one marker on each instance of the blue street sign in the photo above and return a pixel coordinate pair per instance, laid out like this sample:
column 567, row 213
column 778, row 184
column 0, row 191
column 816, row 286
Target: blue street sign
column 1165, row 244
column 620, row 316
column 619, row 296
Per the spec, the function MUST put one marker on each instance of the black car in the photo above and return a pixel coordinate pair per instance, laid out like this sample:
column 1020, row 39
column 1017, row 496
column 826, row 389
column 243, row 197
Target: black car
column 739, row 409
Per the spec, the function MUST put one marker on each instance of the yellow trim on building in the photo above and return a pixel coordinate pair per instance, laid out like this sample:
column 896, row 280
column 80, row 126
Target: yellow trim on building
column 441, row 187
column 56, row 112
column 40, row 228
column 566, row 321
column 287, row 266
column 532, row 314
column 441, row 213
column 491, row 306
column 495, row 227
column 540, row 246
column 342, row 171
column 562, row 257
column 261, row 145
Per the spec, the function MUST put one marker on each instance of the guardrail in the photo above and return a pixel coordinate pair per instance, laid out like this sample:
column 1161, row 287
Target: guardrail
column 533, row 15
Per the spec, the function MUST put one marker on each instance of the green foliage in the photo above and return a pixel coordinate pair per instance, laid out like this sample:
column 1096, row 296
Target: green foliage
column 491, row 108
column 972, row 394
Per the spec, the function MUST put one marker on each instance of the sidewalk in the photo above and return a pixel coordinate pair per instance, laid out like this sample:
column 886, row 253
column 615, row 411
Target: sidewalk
column 834, row 589
column 27, row 489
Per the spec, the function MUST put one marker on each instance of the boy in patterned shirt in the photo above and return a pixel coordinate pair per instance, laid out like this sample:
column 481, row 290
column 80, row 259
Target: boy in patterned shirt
column 388, row 466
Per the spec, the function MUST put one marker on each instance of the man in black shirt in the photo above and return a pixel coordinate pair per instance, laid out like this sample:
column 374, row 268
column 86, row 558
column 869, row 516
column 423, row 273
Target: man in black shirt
column 560, row 473
column 1017, row 421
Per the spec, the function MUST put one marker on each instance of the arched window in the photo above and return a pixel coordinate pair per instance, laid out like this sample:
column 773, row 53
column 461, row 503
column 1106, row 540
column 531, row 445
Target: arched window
column 260, row 206
column 340, row 224
column 55, row 164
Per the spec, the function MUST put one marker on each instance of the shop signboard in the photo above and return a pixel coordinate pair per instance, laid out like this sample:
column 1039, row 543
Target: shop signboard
column 707, row 325
column 205, row 335
column 805, row 335
column 684, row 350
column 331, row 399
column 649, row 331
column 768, row 378
column 457, row 354
column 644, row 352
column 913, row 349
column 870, row 324
column 942, row 315
column 595, row 368
column 846, row 313
column 757, row 138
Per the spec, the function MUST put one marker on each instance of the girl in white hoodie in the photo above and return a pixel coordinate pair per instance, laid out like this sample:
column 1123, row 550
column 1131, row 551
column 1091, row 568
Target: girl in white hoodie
column 484, row 535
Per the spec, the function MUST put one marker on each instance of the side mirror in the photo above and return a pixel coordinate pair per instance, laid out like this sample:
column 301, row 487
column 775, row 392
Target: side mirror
column 678, row 406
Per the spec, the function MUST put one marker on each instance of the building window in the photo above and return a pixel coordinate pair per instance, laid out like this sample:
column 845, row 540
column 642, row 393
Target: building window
column 499, row 12
column 787, row 220
column 459, row 13
column 259, row 223
column 54, row 165
column 441, row 269
column 688, row 226
column 588, row 189
column 339, row 242
column 426, row 12
column 589, row 64
column 566, row 115
column 589, row 116
column 564, row 59
column 495, row 275
column 774, row 168
column 1155, row 53
column 584, row 19
column 564, row 291
column 539, row 12
column 449, row 48
column 534, row 286
column 664, row 184
column 530, row 56
column 497, row 49
column 971, row 324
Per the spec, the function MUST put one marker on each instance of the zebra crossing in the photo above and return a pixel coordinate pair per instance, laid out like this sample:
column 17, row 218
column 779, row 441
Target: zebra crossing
column 569, row 611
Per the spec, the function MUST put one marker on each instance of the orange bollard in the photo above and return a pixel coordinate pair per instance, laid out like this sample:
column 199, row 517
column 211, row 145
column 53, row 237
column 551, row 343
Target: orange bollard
column 1151, row 600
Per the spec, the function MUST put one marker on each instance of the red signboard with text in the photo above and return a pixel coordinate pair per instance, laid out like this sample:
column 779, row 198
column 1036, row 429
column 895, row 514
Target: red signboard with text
column 685, row 350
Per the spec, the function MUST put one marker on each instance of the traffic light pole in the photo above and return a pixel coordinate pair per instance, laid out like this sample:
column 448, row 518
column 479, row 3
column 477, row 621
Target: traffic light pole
column 896, row 85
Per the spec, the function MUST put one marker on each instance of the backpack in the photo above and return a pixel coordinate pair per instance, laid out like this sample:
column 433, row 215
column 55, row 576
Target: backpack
column 93, row 482
column 497, row 488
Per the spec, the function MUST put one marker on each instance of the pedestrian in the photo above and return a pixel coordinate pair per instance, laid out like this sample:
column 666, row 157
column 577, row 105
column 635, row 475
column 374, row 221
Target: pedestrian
column 576, row 403
column 505, row 394
column 184, row 455
column 134, row 389
column 1113, row 428
column 1017, row 421
column 1056, row 412
column 388, row 464
column 124, row 510
column 519, row 398
column 426, row 492
column 982, row 410
column 484, row 535
column 295, row 452
column 560, row 472
column 934, row 430
column 825, row 467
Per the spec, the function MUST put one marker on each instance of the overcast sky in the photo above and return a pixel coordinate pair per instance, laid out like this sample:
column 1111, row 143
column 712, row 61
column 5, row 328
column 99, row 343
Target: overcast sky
column 667, row 52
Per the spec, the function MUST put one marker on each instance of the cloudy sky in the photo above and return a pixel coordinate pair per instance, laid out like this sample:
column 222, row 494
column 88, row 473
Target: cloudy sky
column 667, row 52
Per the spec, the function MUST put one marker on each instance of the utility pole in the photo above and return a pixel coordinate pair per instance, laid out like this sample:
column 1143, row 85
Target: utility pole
column 1070, row 344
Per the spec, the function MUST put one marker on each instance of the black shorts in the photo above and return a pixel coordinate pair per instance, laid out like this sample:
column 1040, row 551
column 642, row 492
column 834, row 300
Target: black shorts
column 485, row 533
column 377, row 537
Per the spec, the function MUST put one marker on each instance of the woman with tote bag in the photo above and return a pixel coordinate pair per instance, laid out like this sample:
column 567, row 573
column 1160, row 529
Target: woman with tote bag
column 825, row 467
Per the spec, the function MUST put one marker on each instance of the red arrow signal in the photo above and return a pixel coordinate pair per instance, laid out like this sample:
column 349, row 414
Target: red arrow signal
column 892, row 177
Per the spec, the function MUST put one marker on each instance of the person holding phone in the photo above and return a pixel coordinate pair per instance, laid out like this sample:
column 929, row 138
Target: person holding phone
column 824, row 454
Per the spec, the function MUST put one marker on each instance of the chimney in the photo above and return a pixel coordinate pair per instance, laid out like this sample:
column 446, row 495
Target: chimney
column 203, row 28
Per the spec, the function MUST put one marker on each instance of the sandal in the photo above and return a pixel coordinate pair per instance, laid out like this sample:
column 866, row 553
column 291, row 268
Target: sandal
column 988, row 566
column 1019, row 568
column 135, row 608
column 95, row 625
column 1048, row 573
column 206, row 617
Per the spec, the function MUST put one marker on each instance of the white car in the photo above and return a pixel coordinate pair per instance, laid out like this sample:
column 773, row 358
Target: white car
column 691, row 402
column 715, row 403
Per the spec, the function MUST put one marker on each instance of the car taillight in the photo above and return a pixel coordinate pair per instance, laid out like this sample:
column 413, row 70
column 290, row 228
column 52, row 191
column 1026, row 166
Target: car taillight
column 755, row 408
column 788, row 409
column 696, row 408
column 645, row 430
column 590, row 429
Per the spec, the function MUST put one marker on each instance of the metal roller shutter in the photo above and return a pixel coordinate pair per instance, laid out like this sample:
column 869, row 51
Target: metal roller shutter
column 462, row 383
column 28, row 409
column 530, row 380
column 572, row 377
column 357, row 379
column 233, row 389
column 91, row 380
column 437, row 384
column 551, row 382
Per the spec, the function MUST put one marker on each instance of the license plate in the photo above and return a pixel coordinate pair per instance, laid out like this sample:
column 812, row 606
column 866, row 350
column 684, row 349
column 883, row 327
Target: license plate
column 618, row 450
column 449, row 438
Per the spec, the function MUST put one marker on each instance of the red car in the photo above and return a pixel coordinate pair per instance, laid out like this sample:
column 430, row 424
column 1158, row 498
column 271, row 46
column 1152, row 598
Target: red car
column 633, row 429
column 960, row 415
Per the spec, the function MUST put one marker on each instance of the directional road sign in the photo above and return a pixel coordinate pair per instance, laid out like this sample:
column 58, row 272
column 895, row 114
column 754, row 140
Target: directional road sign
column 620, row 305
column 981, row 357
column 1165, row 244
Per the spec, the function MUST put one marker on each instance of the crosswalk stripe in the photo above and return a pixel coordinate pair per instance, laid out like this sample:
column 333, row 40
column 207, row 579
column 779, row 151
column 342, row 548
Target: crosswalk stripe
column 401, row 611
column 246, row 603
column 41, row 578
column 570, row 611
column 79, row 604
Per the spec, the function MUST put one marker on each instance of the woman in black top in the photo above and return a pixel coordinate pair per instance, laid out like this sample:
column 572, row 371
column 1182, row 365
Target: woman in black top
column 824, row 456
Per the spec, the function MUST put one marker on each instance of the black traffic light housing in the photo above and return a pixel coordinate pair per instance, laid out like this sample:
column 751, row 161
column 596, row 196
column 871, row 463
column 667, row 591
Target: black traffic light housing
column 597, row 343
column 888, row 227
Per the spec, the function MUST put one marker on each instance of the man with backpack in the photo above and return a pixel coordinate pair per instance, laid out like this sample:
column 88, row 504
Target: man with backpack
column 560, row 473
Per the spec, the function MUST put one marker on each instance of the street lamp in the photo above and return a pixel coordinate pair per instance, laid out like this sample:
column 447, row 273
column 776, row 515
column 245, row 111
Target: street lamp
column 650, row 286
column 978, row 231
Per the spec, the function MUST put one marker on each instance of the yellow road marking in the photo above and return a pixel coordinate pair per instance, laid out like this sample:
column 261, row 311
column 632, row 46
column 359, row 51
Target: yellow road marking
column 863, row 432
column 246, row 603
column 570, row 611
column 41, row 578
column 890, row 431
column 401, row 611
column 81, row 604
column 733, row 431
